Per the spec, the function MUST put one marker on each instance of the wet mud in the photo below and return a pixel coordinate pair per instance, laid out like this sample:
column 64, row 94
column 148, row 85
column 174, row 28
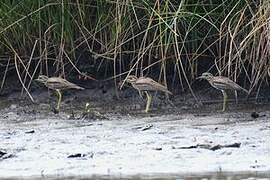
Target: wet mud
column 113, row 137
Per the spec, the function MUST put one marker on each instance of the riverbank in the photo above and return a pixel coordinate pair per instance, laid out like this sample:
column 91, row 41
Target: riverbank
column 114, row 137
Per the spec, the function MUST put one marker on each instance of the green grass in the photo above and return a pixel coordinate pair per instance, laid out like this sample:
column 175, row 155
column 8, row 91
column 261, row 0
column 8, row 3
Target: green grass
column 172, row 39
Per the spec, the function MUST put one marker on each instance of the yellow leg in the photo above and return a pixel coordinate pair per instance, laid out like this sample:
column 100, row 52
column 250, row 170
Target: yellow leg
column 59, row 95
column 148, row 103
column 225, row 97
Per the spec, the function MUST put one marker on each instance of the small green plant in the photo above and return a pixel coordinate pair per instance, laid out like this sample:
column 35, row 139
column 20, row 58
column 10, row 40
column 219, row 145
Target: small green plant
column 90, row 113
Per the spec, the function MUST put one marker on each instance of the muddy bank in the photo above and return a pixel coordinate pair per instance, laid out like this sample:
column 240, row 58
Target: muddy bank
column 171, row 140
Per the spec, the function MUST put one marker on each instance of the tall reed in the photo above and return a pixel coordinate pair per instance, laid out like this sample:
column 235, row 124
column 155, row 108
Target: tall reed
column 175, row 40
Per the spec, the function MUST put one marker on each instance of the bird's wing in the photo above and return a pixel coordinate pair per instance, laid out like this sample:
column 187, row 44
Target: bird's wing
column 226, row 83
column 54, row 83
column 152, row 85
column 60, row 83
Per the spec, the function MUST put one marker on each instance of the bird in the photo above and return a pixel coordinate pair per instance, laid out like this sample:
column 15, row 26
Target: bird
column 57, row 84
column 145, row 84
column 223, row 84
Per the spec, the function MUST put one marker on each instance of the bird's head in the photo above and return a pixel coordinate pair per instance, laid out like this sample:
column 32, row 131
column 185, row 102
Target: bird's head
column 206, row 75
column 131, row 79
column 42, row 78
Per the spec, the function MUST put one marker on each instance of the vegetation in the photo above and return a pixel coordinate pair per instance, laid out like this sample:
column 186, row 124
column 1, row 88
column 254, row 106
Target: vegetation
column 176, row 40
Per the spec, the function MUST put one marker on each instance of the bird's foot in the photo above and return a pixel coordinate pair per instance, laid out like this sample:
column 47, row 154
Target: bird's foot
column 55, row 110
column 223, row 109
column 146, row 110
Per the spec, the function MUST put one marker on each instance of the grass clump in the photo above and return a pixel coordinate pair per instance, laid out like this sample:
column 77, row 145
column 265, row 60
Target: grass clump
column 176, row 40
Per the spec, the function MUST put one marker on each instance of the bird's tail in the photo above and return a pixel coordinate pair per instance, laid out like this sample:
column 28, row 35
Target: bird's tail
column 243, row 89
column 167, row 91
column 163, row 88
column 78, row 87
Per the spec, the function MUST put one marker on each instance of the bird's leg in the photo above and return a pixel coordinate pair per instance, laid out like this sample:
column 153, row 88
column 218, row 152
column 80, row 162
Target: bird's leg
column 148, row 103
column 236, row 97
column 59, row 95
column 140, row 93
column 225, row 97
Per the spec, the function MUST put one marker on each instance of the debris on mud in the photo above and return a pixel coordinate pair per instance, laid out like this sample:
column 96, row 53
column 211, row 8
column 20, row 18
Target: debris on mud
column 30, row 132
column 2, row 153
column 5, row 155
column 158, row 148
column 80, row 155
column 145, row 127
column 256, row 115
column 210, row 147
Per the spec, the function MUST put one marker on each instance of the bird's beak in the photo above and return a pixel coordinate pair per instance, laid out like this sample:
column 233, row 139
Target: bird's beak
column 38, row 80
column 200, row 77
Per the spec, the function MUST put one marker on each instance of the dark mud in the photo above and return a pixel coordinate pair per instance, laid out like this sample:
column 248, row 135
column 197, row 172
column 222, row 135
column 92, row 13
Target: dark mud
column 115, row 138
